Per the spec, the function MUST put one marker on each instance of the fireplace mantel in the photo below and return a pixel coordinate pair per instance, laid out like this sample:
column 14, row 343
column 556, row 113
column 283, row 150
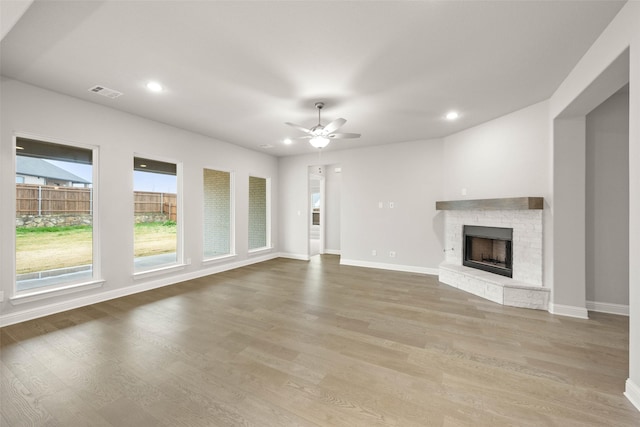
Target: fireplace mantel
column 510, row 203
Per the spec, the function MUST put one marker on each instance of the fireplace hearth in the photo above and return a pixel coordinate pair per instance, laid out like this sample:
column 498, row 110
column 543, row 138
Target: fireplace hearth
column 488, row 249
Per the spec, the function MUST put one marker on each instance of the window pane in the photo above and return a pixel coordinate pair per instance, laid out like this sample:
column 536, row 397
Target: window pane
column 257, row 212
column 54, row 214
column 156, row 213
column 217, row 213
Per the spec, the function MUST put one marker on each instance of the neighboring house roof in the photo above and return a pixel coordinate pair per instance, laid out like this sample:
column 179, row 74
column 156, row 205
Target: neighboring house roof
column 33, row 166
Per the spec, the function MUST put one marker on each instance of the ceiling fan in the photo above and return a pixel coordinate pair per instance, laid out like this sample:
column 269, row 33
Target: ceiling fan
column 319, row 136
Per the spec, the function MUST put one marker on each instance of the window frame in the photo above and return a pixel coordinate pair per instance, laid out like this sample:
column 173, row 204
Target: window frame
column 96, row 280
column 268, row 240
column 232, row 217
column 179, row 264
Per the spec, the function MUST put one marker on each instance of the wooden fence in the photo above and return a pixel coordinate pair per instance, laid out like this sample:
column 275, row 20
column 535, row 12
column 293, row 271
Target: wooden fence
column 149, row 202
column 34, row 199
column 46, row 200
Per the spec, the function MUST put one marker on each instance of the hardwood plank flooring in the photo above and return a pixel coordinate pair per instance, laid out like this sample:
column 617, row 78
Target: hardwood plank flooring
column 315, row 343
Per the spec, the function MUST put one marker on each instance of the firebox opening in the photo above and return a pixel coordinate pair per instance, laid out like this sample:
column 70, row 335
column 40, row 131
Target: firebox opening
column 489, row 249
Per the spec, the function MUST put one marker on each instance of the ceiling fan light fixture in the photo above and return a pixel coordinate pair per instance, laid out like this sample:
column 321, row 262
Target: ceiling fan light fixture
column 319, row 136
column 319, row 141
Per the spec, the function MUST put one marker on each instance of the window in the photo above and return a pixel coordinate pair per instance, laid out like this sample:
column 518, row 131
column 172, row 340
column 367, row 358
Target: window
column 54, row 223
column 218, row 225
column 258, row 213
column 156, row 239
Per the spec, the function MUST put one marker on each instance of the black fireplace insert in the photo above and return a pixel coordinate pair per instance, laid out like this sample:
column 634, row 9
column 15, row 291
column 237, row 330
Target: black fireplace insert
column 488, row 249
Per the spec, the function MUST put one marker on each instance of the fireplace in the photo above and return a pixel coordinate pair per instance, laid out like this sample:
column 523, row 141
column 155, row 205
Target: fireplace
column 488, row 249
column 518, row 253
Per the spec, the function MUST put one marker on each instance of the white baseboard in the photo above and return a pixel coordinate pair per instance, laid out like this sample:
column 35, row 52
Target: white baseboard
column 301, row 257
column 46, row 310
column 332, row 251
column 632, row 392
column 606, row 307
column 394, row 267
column 569, row 311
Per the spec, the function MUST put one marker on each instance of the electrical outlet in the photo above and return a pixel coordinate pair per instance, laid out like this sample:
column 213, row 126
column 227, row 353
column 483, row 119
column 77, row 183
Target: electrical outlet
column 392, row 254
column 463, row 192
column 374, row 252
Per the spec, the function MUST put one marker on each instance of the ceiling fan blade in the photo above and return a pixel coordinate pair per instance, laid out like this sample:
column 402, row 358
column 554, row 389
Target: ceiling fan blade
column 334, row 125
column 343, row 135
column 303, row 129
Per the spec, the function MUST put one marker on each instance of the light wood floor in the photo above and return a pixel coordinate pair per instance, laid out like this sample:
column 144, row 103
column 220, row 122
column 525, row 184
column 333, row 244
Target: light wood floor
column 294, row 343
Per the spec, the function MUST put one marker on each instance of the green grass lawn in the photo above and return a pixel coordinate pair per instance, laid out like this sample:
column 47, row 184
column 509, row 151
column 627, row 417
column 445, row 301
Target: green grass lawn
column 154, row 238
column 47, row 248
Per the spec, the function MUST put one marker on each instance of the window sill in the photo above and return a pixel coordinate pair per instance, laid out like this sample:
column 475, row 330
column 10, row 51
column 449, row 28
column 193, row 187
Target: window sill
column 260, row 250
column 31, row 296
column 158, row 271
column 218, row 259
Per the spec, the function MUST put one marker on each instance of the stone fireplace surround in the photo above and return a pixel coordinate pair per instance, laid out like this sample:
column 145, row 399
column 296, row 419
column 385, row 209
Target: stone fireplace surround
column 524, row 215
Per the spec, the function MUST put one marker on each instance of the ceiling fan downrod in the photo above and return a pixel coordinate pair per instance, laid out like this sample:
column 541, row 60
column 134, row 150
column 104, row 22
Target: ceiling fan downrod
column 319, row 106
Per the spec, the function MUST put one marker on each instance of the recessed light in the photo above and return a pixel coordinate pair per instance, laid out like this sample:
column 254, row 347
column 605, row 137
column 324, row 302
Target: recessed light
column 287, row 141
column 452, row 115
column 154, row 87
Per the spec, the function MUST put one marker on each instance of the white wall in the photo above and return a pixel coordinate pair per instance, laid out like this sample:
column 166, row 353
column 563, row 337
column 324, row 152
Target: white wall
column 119, row 135
column 607, row 202
column 407, row 174
column 506, row 157
column 293, row 205
column 569, row 172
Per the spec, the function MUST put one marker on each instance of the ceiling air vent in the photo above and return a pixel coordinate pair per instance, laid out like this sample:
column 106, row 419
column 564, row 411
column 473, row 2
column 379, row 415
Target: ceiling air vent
column 109, row 93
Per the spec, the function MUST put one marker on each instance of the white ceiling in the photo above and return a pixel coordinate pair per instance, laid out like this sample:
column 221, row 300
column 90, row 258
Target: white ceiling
column 237, row 70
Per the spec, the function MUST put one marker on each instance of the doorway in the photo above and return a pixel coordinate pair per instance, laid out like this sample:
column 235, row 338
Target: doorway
column 607, row 205
column 316, row 210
